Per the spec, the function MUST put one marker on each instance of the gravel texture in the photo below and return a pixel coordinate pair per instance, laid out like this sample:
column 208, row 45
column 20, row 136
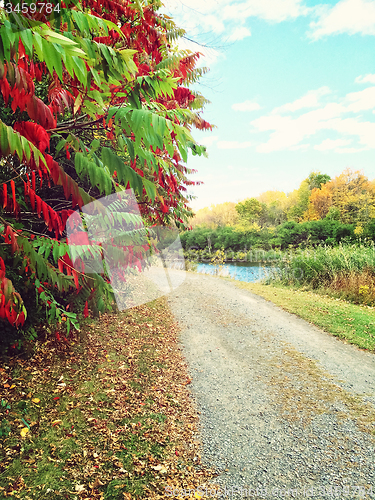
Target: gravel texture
column 287, row 411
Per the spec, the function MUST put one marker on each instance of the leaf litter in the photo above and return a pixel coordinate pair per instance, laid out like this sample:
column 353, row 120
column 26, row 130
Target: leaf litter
column 107, row 415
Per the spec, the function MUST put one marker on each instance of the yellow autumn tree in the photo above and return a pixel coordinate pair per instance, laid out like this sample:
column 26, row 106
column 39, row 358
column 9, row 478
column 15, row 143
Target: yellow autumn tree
column 351, row 193
column 222, row 214
column 319, row 203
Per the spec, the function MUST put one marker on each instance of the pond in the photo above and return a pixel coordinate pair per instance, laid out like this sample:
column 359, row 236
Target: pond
column 241, row 271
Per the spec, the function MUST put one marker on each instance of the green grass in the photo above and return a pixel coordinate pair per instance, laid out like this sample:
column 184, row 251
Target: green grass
column 353, row 323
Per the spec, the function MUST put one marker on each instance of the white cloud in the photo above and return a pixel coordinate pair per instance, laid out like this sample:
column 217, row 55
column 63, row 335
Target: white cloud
column 234, row 145
column 270, row 10
column 246, row 106
column 300, row 147
column 360, row 101
column 330, row 144
column 239, row 33
column 208, row 141
column 309, row 100
column 349, row 150
column 347, row 16
column 203, row 18
column 365, row 79
column 289, row 132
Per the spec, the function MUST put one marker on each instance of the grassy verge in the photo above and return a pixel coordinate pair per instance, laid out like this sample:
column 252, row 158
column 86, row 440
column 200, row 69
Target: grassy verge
column 353, row 323
column 107, row 416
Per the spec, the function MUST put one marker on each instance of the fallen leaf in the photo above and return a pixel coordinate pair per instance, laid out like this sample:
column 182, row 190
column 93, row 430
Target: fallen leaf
column 35, row 400
column 159, row 468
column 56, row 422
column 24, row 431
column 96, row 483
column 80, row 488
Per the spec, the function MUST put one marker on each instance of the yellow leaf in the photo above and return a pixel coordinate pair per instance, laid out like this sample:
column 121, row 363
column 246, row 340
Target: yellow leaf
column 24, row 431
column 197, row 495
column 35, row 400
column 12, row 386
column 56, row 422
column 77, row 105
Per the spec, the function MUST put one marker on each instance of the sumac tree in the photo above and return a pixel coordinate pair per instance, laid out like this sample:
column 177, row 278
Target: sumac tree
column 95, row 100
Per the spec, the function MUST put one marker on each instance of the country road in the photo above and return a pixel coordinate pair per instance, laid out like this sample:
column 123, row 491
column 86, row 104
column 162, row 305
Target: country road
column 286, row 410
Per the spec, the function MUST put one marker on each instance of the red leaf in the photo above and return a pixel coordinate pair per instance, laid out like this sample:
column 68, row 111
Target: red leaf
column 32, row 198
column 34, row 133
column 2, row 272
column 13, row 187
column 86, row 310
column 40, row 112
column 61, row 265
column 75, row 276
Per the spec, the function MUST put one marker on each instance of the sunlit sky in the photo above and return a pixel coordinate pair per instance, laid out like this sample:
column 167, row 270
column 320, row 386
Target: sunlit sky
column 292, row 90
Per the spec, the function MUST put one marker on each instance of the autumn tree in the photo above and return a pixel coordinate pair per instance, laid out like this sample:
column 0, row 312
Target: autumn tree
column 222, row 214
column 251, row 211
column 276, row 202
column 95, row 100
column 350, row 195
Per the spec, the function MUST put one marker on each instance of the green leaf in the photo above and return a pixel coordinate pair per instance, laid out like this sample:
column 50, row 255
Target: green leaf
column 27, row 40
column 150, row 189
column 60, row 145
column 80, row 70
column 124, row 172
column 53, row 61
column 55, row 252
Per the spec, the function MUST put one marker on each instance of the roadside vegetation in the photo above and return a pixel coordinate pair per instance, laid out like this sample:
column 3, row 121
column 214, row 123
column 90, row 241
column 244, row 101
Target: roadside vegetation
column 351, row 323
column 106, row 415
column 320, row 237
column 345, row 271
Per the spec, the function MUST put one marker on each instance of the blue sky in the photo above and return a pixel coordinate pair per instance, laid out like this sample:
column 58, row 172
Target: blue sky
column 292, row 90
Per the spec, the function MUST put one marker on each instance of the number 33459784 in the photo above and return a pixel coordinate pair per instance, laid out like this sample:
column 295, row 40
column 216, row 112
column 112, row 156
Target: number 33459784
column 40, row 7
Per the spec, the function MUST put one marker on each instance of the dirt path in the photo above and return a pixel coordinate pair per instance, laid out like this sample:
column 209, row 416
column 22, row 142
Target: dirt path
column 287, row 411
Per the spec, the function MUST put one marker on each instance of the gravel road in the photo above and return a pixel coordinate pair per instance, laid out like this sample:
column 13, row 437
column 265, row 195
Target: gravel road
column 287, row 411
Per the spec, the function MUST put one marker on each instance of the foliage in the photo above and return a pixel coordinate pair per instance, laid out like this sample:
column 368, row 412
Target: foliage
column 229, row 238
column 350, row 195
column 330, row 232
column 222, row 214
column 345, row 270
column 95, row 100
column 319, row 211
column 251, row 211
column 218, row 260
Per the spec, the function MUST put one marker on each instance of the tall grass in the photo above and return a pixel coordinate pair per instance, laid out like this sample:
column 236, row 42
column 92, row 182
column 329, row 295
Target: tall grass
column 346, row 270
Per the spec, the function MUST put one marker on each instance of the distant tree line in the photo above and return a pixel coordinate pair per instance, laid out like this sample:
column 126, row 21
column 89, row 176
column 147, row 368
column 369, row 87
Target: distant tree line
column 321, row 210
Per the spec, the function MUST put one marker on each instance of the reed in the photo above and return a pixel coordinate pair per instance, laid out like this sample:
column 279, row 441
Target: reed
column 347, row 271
